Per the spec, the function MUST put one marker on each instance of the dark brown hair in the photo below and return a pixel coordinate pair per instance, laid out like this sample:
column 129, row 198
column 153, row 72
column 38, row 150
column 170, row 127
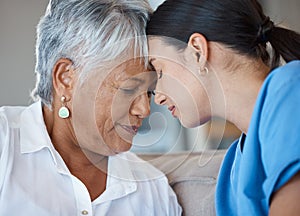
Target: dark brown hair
column 239, row 24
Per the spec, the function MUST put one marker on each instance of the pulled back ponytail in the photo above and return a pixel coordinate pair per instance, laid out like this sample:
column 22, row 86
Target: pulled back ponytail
column 285, row 43
column 239, row 24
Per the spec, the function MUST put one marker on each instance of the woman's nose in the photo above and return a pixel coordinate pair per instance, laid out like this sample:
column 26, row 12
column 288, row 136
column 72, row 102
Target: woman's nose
column 141, row 106
column 160, row 98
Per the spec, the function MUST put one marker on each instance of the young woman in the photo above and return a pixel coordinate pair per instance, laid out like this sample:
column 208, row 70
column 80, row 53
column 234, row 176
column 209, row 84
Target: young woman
column 212, row 59
column 67, row 153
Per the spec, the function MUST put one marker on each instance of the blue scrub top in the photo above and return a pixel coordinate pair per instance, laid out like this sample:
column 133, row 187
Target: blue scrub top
column 260, row 163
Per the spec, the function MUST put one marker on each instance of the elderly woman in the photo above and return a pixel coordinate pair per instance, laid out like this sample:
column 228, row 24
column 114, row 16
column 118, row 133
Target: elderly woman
column 67, row 154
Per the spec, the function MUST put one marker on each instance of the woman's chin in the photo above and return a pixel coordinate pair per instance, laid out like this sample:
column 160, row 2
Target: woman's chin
column 189, row 124
column 123, row 147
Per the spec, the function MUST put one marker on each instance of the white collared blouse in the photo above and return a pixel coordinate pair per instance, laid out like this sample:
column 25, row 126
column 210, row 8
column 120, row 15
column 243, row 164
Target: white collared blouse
column 34, row 180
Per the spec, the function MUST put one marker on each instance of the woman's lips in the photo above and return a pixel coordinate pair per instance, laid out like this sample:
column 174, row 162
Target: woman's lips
column 172, row 110
column 130, row 129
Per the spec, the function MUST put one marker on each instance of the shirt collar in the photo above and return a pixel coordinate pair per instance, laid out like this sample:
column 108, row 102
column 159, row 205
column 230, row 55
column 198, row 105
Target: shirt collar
column 33, row 132
column 120, row 179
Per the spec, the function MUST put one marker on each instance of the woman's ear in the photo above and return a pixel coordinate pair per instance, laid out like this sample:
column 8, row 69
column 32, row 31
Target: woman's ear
column 63, row 76
column 199, row 45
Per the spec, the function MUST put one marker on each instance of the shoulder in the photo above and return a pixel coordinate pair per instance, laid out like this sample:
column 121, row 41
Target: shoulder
column 11, row 114
column 280, row 102
column 287, row 70
column 286, row 75
column 10, row 117
column 3, row 129
column 3, row 118
column 280, row 95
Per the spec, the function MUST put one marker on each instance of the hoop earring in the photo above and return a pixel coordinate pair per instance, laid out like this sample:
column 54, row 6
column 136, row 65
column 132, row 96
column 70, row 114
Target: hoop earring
column 63, row 111
column 203, row 72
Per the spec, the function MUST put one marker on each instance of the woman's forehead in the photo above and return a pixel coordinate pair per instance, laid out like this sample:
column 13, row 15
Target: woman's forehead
column 129, row 69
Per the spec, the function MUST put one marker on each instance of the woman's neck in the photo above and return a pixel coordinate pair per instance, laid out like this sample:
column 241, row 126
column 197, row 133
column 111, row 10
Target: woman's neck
column 241, row 92
column 64, row 141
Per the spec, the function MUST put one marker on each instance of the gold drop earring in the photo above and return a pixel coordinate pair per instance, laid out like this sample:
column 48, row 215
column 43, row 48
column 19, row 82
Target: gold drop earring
column 63, row 111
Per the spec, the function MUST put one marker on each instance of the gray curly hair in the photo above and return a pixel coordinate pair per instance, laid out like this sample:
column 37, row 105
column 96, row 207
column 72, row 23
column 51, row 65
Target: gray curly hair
column 85, row 31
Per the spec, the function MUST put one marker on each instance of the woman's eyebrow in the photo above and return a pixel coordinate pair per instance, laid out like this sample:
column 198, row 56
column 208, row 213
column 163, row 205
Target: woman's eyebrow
column 136, row 80
column 151, row 60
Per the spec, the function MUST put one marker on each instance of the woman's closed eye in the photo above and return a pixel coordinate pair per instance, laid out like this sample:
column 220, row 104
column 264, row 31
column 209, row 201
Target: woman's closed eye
column 132, row 91
column 129, row 90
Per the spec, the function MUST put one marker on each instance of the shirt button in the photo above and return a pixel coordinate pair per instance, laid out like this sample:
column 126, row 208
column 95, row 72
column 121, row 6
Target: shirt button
column 84, row 212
